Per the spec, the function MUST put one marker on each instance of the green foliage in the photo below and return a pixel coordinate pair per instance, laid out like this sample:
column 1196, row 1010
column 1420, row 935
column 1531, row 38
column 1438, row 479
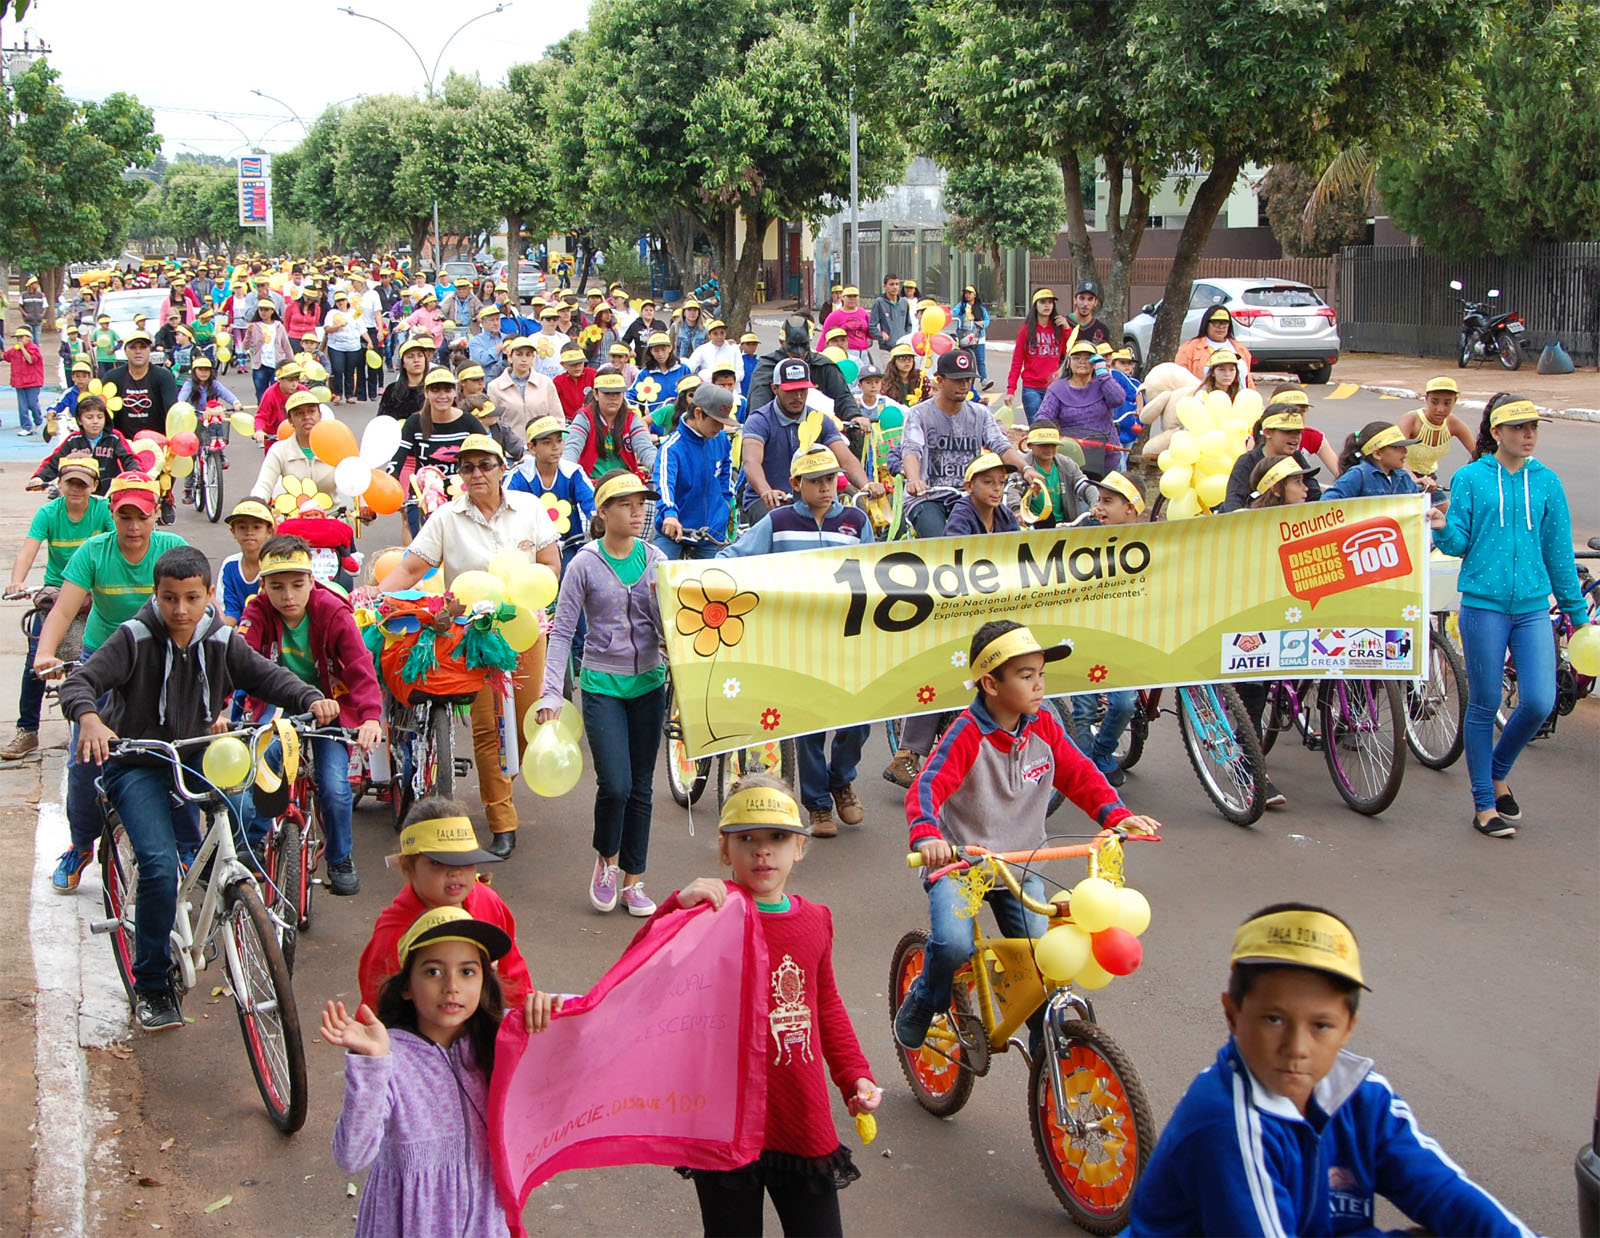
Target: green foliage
column 1343, row 220
column 1525, row 166
column 198, row 205
column 1011, row 205
column 63, row 196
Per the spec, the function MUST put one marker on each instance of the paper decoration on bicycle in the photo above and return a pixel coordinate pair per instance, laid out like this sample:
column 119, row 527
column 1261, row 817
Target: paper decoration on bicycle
column 298, row 494
column 430, row 645
column 432, row 490
column 332, row 542
column 560, row 512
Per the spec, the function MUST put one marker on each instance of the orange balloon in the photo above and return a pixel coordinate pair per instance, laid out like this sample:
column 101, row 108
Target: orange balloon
column 386, row 563
column 384, row 495
column 333, row 441
column 286, row 430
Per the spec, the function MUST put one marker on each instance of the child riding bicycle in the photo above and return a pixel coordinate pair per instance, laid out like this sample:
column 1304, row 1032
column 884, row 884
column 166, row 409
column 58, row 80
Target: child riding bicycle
column 988, row 784
column 169, row 672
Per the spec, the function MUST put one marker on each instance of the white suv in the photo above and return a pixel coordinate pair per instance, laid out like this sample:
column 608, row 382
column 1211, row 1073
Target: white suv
column 1285, row 325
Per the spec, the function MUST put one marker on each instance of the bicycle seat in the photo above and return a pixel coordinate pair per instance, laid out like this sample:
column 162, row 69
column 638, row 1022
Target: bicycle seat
column 430, row 698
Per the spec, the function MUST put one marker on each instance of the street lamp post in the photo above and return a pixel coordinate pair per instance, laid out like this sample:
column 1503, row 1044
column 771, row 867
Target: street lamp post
column 428, row 79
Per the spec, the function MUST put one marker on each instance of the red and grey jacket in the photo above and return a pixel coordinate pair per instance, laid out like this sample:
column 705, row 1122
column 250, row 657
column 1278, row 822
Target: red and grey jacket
column 344, row 664
column 987, row 787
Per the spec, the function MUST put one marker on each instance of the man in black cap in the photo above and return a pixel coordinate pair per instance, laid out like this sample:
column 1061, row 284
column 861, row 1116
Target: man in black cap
column 1085, row 300
column 825, row 375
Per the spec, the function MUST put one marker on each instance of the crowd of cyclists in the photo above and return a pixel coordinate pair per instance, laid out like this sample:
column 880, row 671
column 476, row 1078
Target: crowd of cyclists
column 602, row 434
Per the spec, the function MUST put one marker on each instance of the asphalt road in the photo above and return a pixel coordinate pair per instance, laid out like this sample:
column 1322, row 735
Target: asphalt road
column 1480, row 954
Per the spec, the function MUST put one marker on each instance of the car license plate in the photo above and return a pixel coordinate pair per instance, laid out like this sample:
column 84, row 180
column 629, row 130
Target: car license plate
column 1291, row 322
column 1514, row 327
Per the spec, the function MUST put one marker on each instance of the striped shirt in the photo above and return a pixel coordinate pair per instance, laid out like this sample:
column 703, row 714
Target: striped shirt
column 794, row 528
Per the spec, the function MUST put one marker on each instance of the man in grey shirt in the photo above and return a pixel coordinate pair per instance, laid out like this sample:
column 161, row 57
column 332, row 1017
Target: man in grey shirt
column 891, row 314
column 945, row 434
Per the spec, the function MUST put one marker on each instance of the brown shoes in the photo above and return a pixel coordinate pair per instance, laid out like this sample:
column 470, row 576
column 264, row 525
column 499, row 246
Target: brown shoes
column 823, row 824
column 848, row 805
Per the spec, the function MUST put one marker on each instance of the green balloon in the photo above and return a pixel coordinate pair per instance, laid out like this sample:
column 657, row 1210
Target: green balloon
column 850, row 369
column 892, row 418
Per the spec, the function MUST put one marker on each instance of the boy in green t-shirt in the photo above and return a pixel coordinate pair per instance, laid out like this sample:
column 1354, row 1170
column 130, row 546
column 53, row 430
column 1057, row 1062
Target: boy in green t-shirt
column 64, row 524
column 116, row 571
column 106, row 342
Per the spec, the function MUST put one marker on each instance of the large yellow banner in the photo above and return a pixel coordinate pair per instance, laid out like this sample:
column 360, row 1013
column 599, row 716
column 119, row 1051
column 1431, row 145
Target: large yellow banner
column 778, row 645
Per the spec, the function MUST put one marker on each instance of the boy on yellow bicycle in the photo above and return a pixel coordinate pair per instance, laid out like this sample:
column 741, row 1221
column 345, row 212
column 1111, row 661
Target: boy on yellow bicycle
column 988, row 784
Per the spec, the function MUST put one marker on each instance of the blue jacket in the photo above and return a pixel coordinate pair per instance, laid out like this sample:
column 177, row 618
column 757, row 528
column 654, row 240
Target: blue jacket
column 484, row 349
column 793, row 527
column 1514, row 536
column 1366, row 480
column 571, row 485
column 694, row 477
column 749, row 360
column 964, row 521
column 690, row 338
column 1238, row 1159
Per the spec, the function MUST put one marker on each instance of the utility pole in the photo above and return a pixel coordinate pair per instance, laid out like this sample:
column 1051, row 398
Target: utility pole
column 855, row 181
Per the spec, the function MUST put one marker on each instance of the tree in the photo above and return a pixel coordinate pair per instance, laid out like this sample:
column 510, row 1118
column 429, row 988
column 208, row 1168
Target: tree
column 1245, row 82
column 198, row 205
column 1525, row 167
column 63, row 196
column 744, row 123
column 1017, row 205
column 1287, row 189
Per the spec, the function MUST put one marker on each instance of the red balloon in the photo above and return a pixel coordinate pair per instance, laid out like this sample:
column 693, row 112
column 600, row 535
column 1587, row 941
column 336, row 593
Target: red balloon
column 941, row 343
column 919, row 342
column 1117, row 950
column 186, row 444
column 151, row 436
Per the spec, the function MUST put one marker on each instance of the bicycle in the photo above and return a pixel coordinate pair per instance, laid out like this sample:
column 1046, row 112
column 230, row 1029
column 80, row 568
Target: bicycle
column 205, row 490
column 1361, row 732
column 256, row 972
column 686, row 776
column 422, row 752
column 1571, row 687
column 1436, row 705
column 1093, row 1129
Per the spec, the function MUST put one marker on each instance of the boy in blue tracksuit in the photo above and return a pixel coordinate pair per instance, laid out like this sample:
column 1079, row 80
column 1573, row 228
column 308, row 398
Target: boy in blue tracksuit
column 1289, row 1132
column 1373, row 464
column 694, row 475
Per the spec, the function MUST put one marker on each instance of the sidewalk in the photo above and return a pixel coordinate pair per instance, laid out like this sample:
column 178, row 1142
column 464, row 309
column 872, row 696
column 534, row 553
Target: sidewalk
column 1575, row 395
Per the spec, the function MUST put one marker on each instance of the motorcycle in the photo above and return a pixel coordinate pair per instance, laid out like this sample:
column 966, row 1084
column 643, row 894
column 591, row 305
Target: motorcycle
column 1485, row 335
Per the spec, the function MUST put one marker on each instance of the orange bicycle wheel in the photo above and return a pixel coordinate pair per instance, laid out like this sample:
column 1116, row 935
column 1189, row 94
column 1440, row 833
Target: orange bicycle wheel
column 1094, row 1150
column 938, row 1078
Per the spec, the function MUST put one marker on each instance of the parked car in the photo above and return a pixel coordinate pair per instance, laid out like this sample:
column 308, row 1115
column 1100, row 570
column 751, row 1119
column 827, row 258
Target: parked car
column 460, row 268
column 122, row 304
column 1588, row 1171
column 530, row 280
column 1284, row 324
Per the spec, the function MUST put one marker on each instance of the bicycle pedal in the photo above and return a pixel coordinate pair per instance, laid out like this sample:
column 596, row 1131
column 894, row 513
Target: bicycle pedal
column 463, row 764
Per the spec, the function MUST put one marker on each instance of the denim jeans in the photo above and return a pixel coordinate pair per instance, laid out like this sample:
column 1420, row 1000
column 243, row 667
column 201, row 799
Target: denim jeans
column 157, row 827
column 1486, row 635
column 330, row 767
column 1101, row 746
column 977, row 350
column 820, row 777
column 28, row 404
column 952, row 937
column 1032, row 397
column 624, row 739
column 344, row 369
column 680, row 550
column 568, row 553
column 263, row 376
column 929, row 517
column 31, row 701
column 84, row 818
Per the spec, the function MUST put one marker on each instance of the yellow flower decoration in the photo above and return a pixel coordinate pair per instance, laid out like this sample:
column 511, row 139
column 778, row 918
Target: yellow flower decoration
column 648, row 390
column 295, row 492
column 559, row 511
column 711, row 609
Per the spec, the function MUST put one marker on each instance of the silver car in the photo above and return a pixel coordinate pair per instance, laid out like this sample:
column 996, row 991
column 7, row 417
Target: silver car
column 1284, row 324
column 123, row 303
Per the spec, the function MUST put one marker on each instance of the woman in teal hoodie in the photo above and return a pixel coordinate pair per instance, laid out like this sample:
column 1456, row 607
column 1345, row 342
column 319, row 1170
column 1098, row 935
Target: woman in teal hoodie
column 1508, row 521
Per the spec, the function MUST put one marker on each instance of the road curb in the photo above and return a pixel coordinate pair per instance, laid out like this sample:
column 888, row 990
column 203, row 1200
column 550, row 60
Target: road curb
column 1561, row 414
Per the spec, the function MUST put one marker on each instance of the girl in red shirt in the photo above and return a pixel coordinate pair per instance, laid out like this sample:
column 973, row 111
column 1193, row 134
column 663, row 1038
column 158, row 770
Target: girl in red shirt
column 1041, row 345
column 802, row 1163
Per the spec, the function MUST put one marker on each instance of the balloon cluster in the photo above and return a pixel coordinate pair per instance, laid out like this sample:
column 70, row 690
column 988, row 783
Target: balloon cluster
column 929, row 337
column 553, row 762
column 510, row 578
column 1102, row 942
column 1196, row 464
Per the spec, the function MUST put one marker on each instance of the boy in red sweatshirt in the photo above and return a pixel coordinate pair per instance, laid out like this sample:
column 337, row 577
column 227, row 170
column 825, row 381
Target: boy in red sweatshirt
column 574, row 381
column 439, row 854
column 27, row 379
column 988, row 784
column 309, row 629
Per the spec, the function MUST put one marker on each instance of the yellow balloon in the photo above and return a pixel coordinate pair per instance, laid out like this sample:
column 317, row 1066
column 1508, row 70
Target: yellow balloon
column 1236, row 428
column 181, row 466
column 568, row 723
column 1176, row 480
column 1212, row 490
column 433, row 582
column 506, row 562
column 226, row 762
column 1214, row 443
column 533, row 586
column 835, row 354
column 224, row 355
column 521, row 630
column 1184, row 507
column 1093, row 976
column 1134, row 914
column 934, row 321
column 1006, row 415
column 470, row 588
column 242, row 423
column 1062, row 952
column 1185, row 448
column 1218, row 405
column 322, row 394
column 1192, row 415
column 1247, row 405
column 1165, row 461
column 181, row 419
column 1583, row 650
column 1094, row 904
column 551, row 767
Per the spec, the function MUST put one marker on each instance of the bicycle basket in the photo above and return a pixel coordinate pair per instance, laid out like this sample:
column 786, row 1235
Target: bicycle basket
column 415, row 657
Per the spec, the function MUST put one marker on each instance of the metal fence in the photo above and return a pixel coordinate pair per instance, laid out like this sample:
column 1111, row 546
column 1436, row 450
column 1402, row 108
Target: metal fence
column 1153, row 272
column 1397, row 298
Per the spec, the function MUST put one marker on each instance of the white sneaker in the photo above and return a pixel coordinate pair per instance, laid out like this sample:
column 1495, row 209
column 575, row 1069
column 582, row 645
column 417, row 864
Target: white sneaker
column 603, row 892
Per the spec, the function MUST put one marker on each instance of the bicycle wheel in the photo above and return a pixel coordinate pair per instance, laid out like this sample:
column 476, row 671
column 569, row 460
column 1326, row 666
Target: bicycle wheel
column 268, row 1017
column 777, row 757
column 403, row 746
column 1436, row 707
column 119, row 881
column 1131, row 747
column 439, row 755
column 1364, row 740
column 1279, row 717
column 313, row 844
column 1224, row 750
column 196, row 492
column 1094, row 1152
column 686, row 776
column 893, row 730
column 938, row 1079
column 211, row 473
column 283, row 868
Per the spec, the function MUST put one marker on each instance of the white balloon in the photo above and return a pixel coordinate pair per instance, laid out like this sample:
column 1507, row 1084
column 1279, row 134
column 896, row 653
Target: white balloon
column 379, row 441
column 352, row 477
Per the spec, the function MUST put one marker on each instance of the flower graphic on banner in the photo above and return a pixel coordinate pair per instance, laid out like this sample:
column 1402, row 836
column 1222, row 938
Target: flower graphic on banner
column 1097, row 674
column 925, row 694
column 958, row 658
column 1292, row 615
column 731, row 688
column 1411, row 613
column 712, row 609
column 1070, row 644
column 770, row 719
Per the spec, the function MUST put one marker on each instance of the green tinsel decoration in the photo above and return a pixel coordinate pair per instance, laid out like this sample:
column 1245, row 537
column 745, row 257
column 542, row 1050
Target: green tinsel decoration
column 483, row 648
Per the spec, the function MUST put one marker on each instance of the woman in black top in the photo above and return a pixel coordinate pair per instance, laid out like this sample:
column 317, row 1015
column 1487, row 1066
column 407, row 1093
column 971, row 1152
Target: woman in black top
column 403, row 397
column 432, row 437
column 1276, row 433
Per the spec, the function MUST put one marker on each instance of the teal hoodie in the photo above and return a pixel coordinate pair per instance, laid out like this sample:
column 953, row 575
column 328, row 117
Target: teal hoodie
column 1514, row 537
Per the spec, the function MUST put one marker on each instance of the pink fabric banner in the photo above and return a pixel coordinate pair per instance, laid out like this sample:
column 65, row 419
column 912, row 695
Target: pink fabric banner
column 660, row 1063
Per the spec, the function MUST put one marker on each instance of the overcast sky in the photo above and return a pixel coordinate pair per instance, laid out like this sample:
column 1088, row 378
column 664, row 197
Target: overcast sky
column 306, row 52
